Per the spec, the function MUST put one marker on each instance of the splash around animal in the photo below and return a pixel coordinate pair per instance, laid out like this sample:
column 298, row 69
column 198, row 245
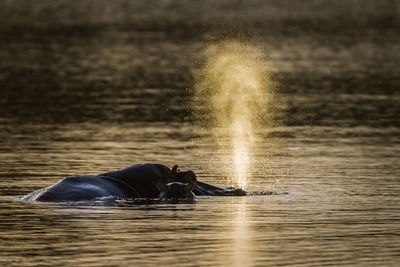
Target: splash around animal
column 137, row 181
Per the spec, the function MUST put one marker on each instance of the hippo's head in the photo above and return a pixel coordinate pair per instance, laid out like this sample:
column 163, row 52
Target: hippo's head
column 178, row 190
column 183, row 182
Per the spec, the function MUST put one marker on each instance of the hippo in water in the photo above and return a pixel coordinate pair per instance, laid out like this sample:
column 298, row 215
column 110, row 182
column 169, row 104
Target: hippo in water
column 137, row 181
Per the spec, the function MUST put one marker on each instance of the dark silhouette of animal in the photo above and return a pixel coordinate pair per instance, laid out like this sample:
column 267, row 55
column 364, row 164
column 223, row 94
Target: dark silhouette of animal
column 137, row 181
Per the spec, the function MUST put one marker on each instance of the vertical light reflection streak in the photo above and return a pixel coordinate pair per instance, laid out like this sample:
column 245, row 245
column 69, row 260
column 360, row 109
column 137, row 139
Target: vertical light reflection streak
column 242, row 250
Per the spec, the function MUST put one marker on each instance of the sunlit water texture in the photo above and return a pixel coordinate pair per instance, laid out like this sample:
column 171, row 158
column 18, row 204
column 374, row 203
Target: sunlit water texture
column 92, row 86
column 234, row 82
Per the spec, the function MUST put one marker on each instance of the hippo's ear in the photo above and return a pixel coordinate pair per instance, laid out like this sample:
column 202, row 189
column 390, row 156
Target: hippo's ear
column 174, row 169
column 173, row 172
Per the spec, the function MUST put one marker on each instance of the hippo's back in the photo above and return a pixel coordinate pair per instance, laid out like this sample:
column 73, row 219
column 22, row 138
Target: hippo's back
column 76, row 188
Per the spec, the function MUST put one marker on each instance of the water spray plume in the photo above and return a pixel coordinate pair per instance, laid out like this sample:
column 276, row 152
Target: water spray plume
column 234, row 82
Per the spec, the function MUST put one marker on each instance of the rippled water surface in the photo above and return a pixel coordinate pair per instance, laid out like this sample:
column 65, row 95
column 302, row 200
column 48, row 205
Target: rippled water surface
column 87, row 92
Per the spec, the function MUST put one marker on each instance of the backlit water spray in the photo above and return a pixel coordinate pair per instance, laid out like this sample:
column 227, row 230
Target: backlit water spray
column 233, row 82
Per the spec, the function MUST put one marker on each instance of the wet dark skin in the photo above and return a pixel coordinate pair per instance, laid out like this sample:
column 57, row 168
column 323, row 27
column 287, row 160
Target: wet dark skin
column 137, row 181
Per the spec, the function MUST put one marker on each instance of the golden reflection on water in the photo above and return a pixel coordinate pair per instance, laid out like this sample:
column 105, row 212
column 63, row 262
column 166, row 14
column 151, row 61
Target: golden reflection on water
column 234, row 82
column 241, row 235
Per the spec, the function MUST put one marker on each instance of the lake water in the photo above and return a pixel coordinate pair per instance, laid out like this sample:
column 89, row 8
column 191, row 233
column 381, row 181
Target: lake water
column 100, row 86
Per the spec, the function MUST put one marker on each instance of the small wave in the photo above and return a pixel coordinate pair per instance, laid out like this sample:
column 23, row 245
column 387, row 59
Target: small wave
column 267, row 193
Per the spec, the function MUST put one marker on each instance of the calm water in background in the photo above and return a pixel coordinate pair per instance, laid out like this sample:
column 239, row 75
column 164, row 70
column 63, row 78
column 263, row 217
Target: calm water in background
column 100, row 86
